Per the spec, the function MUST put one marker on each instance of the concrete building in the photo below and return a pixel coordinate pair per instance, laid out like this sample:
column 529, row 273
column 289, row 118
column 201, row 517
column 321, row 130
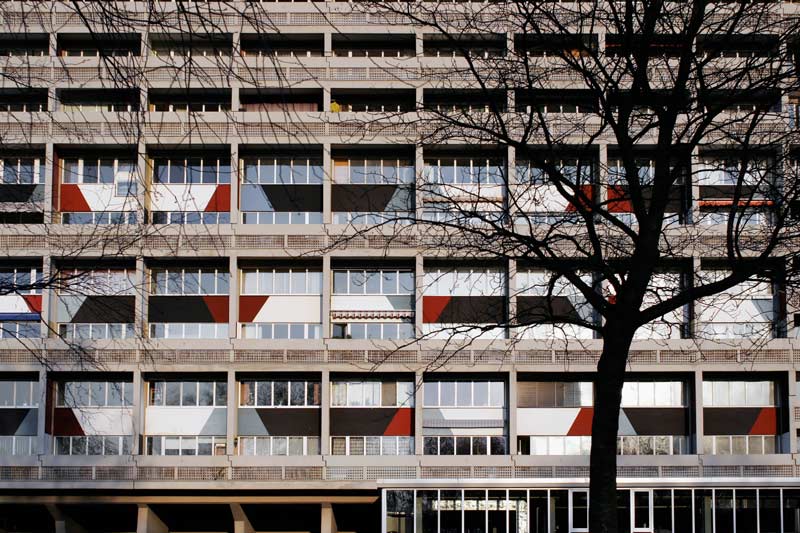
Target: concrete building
column 233, row 379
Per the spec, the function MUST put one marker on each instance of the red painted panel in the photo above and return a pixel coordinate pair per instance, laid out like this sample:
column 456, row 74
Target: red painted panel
column 588, row 193
column 34, row 302
column 582, row 425
column 618, row 202
column 72, row 199
column 249, row 306
column 402, row 424
column 218, row 307
column 220, row 200
column 65, row 422
column 432, row 307
column 766, row 423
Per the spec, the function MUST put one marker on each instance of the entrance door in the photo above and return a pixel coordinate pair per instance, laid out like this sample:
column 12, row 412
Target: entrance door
column 578, row 511
column 641, row 511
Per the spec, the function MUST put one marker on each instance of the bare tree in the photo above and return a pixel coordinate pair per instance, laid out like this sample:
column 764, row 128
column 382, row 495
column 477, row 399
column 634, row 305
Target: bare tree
column 643, row 134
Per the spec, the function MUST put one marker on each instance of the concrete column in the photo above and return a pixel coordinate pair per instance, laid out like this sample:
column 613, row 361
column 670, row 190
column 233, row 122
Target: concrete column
column 328, row 520
column 326, row 99
column 419, row 166
column 327, row 46
column 327, row 281
column 232, row 410
column 325, row 414
column 63, row 523
column 419, row 48
column 694, row 211
column 233, row 297
column 44, row 445
column 144, row 179
column 139, row 403
column 327, row 177
column 792, row 402
column 602, row 173
column 419, row 289
column 235, row 101
column 50, row 174
column 148, row 522
column 48, row 293
column 241, row 524
column 236, row 170
column 419, row 409
column 698, row 412
column 512, row 297
column 512, row 412
column 140, row 302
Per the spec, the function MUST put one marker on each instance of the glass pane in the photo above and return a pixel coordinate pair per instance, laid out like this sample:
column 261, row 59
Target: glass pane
column 641, row 509
column 475, row 511
column 264, row 393
column 449, row 511
column 189, row 393
column 723, row 510
column 746, row 510
column 464, row 398
column 447, row 391
column 400, row 511
column 298, row 393
column 559, row 510
column 580, row 509
column 173, row 393
column 624, row 511
column 281, row 393
column 769, row 510
column 428, row 504
column 206, row 395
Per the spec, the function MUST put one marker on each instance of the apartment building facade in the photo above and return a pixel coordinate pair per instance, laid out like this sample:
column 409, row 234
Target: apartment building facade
column 239, row 372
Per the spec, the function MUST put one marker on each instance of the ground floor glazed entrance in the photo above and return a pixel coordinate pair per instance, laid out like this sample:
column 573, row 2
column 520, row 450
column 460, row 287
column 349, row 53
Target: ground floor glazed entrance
column 641, row 510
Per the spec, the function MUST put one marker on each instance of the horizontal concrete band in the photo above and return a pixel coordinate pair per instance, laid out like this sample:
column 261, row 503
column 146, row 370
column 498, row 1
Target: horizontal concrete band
column 182, row 499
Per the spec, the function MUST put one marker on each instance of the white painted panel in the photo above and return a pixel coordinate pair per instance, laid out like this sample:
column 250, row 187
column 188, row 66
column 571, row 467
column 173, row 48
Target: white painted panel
column 13, row 303
column 105, row 421
column 372, row 302
column 181, row 197
column 180, row 421
column 539, row 198
column 545, row 421
column 291, row 309
column 465, row 413
column 102, row 197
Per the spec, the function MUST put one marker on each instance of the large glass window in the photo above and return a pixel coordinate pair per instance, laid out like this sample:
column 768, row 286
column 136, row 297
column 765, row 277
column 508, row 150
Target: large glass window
column 19, row 393
column 94, row 394
column 464, row 394
column 282, row 281
column 184, row 281
column 188, row 393
column 283, row 170
column 196, row 170
column 739, row 394
column 279, row 393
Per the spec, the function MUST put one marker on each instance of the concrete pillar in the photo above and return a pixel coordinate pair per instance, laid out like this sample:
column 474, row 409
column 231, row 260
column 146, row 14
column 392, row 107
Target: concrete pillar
column 698, row 410
column 233, row 409
column 327, row 280
column 419, row 288
column 792, row 402
column 325, row 414
column 63, row 523
column 419, row 409
column 694, row 210
column 419, row 48
column 512, row 412
column 326, row 99
column 328, row 520
column 144, row 179
column 236, row 170
column 148, row 522
column 419, row 166
column 327, row 177
column 233, row 297
column 139, row 403
column 241, row 524
column 327, row 46
column 140, row 302
column 44, row 445
column 48, row 293
column 50, row 174
column 511, row 291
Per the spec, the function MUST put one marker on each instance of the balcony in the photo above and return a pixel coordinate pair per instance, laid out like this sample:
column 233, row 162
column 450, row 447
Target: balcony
column 105, row 45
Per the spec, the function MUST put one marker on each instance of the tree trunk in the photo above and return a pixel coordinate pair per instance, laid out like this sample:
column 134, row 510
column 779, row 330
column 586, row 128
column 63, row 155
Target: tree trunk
column 605, row 423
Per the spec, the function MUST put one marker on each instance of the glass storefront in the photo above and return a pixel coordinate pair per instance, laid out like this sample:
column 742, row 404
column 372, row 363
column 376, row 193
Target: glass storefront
column 641, row 510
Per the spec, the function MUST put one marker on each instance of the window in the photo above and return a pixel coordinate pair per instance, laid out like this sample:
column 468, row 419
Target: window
column 22, row 170
column 94, row 445
column 98, row 282
column 374, row 330
column 373, row 171
column 741, row 444
column 739, row 394
column 189, row 393
column 20, row 330
column 544, row 394
column 464, row 171
column 181, row 282
column 101, row 218
column 572, row 170
column 21, row 280
column 465, row 445
column 188, row 330
column 185, row 445
column 281, row 217
column 101, row 171
column 372, row 445
column 102, row 330
column 191, row 218
column 653, row 394
column 277, row 445
column 464, row 281
column 282, row 281
column 387, row 282
column 280, row 393
column 464, row 394
column 372, row 393
column 19, row 445
column 19, row 393
column 283, row 170
column 95, row 394
column 280, row 330
column 192, row 170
